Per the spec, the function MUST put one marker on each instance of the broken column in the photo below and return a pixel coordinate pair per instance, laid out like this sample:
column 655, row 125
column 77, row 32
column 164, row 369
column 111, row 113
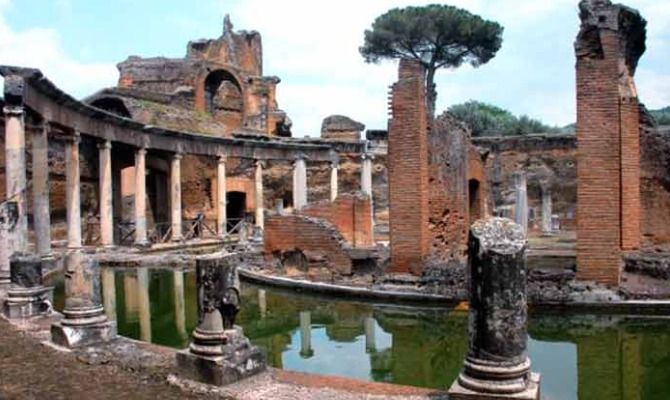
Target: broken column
column 140, row 198
column 610, row 43
column 15, row 162
column 260, row 209
column 546, row 211
column 41, row 210
column 27, row 296
column 221, row 196
column 299, row 183
column 497, row 365
column 175, row 197
column 521, row 200
column 219, row 354
column 106, row 194
column 84, row 322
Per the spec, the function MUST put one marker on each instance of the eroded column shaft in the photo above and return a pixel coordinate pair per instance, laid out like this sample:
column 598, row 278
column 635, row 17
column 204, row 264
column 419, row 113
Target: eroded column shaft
column 175, row 197
column 260, row 209
column 72, row 192
column 333, row 182
column 140, row 198
column 222, row 193
column 106, row 195
column 521, row 199
column 299, row 184
column 546, row 211
column 15, row 174
column 41, row 211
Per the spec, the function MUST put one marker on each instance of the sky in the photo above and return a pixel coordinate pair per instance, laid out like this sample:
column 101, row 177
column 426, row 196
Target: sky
column 313, row 47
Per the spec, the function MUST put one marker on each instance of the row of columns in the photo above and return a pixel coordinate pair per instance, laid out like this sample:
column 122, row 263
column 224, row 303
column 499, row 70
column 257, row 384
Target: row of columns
column 16, row 188
column 521, row 204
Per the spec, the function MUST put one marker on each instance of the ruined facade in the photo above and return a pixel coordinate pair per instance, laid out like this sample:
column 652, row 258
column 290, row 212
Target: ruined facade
column 218, row 89
column 610, row 42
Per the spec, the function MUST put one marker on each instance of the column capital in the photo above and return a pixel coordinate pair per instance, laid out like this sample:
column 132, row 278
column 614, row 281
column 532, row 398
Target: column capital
column 334, row 164
column 107, row 144
column 74, row 138
column 46, row 126
column 222, row 158
column 367, row 156
column 141, row 151
column 259, row 163
column 13, row 111
column 177, row 156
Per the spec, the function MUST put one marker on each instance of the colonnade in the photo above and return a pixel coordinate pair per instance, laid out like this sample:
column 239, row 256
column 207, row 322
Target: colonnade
column 16, row 184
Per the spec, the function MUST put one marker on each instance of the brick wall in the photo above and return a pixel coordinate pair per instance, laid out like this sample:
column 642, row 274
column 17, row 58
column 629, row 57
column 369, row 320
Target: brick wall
column 317, row 239
column 608, row 192
column 448, row 201
column 350, row 213
column 408, row 171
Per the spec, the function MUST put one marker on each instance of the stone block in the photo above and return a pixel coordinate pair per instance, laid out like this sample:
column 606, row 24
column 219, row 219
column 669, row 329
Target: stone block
column 239, row 360
column 84, row 335
column 532, row 392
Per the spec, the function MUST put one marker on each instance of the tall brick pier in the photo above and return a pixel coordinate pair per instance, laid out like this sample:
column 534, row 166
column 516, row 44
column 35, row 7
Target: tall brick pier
column 610, row 42
column 408, row 170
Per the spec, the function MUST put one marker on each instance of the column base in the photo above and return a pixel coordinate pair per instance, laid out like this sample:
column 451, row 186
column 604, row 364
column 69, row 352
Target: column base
column 83, row 327
column 28, row 302
column 238, row 360
column 142, row 245
column 532, row 391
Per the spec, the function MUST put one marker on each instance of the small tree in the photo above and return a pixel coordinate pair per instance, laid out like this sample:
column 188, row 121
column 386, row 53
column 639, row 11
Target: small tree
column 435, row 35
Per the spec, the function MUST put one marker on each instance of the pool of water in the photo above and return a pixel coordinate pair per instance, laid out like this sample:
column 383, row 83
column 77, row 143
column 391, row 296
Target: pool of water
column 583, row 357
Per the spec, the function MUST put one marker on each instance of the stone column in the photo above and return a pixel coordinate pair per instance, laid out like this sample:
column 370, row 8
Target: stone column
column 15, row 173
column 299, row 183
column 333, row 181
column 109, row 292
column 219, row 354
column 497, row 364
column 179, row 303
column 175, row 197
column 370, row 338
column 221, row 198
column 546, row 211
column 260, row 209
column 72, row 192
column 106, row 194
column 84, row 322
column 306, row 350
column 26, row 296
column 521, row 197
column 41, row 211
column 366, row 174
column 144, row 304
column 140, row 198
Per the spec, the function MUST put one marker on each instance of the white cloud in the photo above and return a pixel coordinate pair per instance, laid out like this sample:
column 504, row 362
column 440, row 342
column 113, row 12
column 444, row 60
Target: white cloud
column 42, row 49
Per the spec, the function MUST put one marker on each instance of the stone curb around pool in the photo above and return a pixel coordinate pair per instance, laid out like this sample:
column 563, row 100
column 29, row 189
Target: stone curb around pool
column 637, row 307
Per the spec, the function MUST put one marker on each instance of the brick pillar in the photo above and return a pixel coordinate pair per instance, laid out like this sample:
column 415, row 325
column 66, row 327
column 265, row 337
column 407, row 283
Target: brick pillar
column 408, row 170
column 608, row 148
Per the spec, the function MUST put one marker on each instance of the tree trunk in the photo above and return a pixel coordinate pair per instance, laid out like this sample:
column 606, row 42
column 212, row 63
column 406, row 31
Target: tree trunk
column 431, row 93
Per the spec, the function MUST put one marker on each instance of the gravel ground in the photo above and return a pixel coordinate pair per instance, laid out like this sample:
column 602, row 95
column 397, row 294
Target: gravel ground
column 30, row 370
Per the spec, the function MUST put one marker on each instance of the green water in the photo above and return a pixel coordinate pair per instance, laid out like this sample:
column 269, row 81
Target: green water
column 580, row 357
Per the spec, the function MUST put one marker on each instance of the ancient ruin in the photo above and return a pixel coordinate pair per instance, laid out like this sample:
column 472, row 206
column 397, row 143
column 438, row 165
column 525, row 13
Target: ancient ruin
column 179, row 201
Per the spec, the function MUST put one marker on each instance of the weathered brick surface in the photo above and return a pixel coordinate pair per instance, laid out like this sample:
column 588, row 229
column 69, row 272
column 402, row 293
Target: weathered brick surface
column 350, row 213
column 608, row 195
column 408, row 171
column 316, row 238
column 655, row 184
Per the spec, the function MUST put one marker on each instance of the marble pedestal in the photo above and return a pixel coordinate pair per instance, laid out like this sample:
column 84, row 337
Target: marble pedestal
column 83, row 327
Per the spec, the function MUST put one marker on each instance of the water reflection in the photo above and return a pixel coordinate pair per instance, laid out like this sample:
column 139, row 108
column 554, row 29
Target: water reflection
column 585, row 357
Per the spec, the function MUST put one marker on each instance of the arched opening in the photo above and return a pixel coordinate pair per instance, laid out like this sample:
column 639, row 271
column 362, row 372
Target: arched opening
column 236, row 205
column 474, row 200
column 112, row 105
column 223, row 93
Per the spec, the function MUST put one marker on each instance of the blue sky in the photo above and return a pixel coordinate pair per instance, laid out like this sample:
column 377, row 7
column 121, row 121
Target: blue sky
column 313, row 47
